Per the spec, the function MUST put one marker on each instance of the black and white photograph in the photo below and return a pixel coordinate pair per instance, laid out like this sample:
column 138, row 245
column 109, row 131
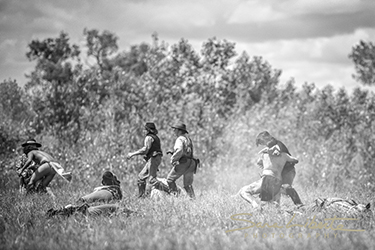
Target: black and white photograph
column 185, row 125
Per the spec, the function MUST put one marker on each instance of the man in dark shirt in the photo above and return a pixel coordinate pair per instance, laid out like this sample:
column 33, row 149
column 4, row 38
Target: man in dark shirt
column 152, row 155
column 289, row 172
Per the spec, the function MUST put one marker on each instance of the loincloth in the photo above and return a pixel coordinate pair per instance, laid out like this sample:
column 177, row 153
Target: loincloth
column 270, row 188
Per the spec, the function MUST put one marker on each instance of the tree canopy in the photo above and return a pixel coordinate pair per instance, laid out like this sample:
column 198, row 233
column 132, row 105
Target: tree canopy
column 92, row 111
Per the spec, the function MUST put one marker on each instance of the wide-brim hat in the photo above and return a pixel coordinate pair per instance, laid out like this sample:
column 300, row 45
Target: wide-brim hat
column 180, row 126
column 150, row 126
column 31, row 142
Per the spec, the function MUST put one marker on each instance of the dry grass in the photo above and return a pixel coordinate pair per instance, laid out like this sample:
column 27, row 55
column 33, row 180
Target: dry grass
column 173, row 223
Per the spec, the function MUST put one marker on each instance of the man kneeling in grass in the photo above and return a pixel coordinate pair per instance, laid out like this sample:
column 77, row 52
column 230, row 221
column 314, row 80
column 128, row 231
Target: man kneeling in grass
column 272, row 160
column 45, row 170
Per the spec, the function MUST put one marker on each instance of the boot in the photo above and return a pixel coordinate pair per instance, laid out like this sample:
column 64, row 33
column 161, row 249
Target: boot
column 173, row 188
column 30, row 189
column 190, row 191
column 159, row 185
column 293, row 195
column 141, row 189
column 162, row 187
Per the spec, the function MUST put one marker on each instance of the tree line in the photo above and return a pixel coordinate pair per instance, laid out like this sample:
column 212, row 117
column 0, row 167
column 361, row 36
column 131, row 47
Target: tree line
column 91, row 107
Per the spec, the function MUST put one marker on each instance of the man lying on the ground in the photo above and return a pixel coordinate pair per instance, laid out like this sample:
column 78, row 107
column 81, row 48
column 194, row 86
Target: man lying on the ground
column 110, row 190
column 349, row 207
column 161, row 190
column 268, row 187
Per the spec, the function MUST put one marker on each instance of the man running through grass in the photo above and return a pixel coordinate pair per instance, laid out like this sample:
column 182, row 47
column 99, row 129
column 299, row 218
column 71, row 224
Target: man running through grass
column 183, row 161
column 152, row 155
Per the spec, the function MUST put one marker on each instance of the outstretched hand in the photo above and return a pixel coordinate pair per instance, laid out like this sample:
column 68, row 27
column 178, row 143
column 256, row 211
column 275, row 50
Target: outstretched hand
column 129, row 156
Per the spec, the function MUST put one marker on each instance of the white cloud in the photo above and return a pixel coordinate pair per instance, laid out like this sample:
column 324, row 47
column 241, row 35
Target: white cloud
column 326, row 49
column 50, row 10
column 255, row 11
column 173, row 13
column 321, row 6
column 320, row 60
column 258, row 11
column 290, row 34
column 7, row 43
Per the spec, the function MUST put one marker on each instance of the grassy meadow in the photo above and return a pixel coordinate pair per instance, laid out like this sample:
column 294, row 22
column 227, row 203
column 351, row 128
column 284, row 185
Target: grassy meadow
column 178, row 223
column 90, row 116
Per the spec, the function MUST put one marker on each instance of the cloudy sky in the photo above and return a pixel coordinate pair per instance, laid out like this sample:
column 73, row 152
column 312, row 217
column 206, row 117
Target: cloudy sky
column 309, row 40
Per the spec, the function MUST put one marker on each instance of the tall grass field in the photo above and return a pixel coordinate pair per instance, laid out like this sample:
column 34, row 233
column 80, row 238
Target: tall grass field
column 216, row 219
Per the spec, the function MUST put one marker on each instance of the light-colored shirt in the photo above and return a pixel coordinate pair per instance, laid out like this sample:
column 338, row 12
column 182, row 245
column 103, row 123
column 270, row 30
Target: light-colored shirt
column 147, row 145
column 182, row 147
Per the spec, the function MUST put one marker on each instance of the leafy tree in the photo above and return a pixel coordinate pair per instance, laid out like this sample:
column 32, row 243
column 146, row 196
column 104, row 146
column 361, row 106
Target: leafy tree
column 212, row 91
column 55, row 87
column 15, row 115
column 363, row 57
column 12, row 101
column 101, row 46
column 217, row 53
column 253, row 79
column 133, row 61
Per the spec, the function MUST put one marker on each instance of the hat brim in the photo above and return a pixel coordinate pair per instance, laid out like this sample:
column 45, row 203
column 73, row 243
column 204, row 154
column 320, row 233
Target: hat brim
column 151, row 130
column 32, row 143
column 180, row 129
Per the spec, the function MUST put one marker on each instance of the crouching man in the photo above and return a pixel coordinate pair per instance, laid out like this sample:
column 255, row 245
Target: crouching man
column 46, row 170
column 268, row 187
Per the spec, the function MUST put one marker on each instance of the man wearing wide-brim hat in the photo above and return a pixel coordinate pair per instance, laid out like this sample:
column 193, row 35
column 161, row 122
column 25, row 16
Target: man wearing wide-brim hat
column 47, row 169
column 153, row 155
column 182, row 160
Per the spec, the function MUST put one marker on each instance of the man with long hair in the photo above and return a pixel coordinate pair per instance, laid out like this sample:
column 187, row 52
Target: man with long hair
column 289, row 172
column 152, row 155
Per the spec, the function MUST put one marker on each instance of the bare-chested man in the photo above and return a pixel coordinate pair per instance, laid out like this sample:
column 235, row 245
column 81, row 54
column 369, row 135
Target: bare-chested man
column 288, row 174
column 268, row 187
column 47, row 169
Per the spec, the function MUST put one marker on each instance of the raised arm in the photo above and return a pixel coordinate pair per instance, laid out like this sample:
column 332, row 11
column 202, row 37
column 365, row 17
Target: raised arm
column 274, row 150
column 290, row 158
